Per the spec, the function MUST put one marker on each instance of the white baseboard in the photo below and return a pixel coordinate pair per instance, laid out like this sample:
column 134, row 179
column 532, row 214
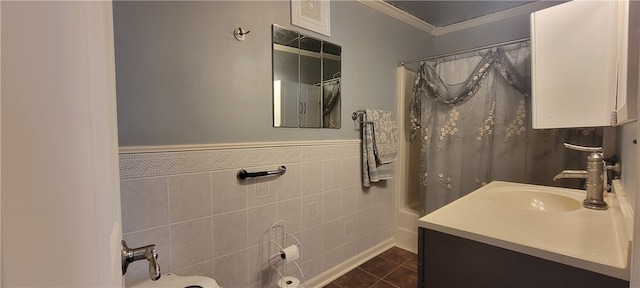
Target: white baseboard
column 407, row 239
column 346, row 266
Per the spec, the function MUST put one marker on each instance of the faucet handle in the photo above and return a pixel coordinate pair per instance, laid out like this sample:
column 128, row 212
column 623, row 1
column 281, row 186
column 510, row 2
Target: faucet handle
column 148, row 252
column 154, row 266
column 582, row 148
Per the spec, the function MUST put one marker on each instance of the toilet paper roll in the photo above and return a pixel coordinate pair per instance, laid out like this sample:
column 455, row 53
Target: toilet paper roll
column 290, row 253
column 289, row 282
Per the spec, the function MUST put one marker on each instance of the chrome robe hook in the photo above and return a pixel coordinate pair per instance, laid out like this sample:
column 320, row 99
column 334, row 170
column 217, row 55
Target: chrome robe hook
column 240, row 33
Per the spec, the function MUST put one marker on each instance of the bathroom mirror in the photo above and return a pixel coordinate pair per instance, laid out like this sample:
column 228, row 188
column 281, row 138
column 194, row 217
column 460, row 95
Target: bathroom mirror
column 306, row 80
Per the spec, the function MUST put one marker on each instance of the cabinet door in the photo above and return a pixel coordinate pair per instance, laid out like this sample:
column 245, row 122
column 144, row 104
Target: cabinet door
column 629, row 60
column 311, row 114
column 286, row 103
column 575, row 65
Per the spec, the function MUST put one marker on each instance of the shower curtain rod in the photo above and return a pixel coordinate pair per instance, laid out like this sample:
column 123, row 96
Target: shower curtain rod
column 403, row 63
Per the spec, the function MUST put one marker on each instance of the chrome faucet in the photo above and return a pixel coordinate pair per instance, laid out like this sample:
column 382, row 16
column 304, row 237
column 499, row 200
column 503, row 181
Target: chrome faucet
column 594, row 175
column 147, row 252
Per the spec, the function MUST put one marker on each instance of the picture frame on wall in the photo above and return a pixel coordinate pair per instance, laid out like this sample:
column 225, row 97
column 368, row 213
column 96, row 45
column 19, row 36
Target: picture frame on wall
column 312, row 15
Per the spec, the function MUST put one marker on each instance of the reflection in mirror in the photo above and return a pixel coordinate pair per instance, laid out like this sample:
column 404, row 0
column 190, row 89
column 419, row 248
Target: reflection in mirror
column 306, row 81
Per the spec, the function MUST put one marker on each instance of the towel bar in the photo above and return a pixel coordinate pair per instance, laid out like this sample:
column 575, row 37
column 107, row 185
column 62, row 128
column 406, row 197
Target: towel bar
column 355, row 114
column 243, row 174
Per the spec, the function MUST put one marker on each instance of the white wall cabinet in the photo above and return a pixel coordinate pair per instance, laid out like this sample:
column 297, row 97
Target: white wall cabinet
column 296, row 105
column 310, row 106
column 583, row 55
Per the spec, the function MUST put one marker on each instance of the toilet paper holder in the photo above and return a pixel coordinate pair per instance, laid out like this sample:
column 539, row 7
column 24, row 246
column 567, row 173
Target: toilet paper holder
column 284, row 254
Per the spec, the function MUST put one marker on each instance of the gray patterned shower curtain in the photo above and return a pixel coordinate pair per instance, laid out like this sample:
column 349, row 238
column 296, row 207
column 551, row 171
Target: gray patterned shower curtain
column 471, row 113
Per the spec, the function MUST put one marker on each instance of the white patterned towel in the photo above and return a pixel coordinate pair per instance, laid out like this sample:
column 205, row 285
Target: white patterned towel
column 386, row 136
column 379, row 146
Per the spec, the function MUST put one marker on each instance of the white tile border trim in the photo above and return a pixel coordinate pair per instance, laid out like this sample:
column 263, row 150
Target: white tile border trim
column 157, row 161
column 198, row 147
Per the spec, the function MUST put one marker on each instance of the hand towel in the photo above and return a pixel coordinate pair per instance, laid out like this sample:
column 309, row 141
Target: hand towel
column 369, row 171
column 386, row 136
column 377, row 163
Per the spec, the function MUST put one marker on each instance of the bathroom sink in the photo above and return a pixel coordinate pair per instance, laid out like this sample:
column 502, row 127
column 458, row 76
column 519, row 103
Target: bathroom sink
column 541, row 221
column 534, row 200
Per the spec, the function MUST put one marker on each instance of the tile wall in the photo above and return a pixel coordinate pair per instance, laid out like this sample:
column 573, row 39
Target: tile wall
column 204, row 221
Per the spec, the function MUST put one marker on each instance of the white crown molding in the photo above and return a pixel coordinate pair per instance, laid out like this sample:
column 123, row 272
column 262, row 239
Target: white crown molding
column 225, row 146
column 405, row 17
column 501, row 15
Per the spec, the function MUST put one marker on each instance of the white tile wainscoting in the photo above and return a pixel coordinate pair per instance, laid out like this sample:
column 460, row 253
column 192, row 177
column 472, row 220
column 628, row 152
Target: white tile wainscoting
column 204, row 221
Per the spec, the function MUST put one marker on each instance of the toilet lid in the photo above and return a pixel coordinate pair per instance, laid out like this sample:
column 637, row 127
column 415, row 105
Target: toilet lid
column 175, row 281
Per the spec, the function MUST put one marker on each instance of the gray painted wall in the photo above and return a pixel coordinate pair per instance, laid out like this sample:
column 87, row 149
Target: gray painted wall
column 182, row 78
column 488, row 34
column 513, row 28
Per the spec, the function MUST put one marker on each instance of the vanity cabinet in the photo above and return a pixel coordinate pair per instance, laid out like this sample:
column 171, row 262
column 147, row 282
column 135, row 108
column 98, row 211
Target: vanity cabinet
column 446, row 261
column 585, row 64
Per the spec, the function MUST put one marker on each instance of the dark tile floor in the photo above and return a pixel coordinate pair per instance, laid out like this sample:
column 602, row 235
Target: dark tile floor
column 394, row 268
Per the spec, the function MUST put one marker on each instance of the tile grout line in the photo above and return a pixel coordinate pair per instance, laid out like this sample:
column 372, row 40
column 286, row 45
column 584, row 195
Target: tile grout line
column 382, row 279
column 394, row 269
column 368, row 273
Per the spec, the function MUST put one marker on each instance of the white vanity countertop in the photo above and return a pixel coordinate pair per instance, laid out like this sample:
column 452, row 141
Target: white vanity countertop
column 588, row 239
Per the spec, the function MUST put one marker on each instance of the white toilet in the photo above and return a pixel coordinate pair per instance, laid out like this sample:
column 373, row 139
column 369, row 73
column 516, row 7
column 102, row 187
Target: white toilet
column 175, row 281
